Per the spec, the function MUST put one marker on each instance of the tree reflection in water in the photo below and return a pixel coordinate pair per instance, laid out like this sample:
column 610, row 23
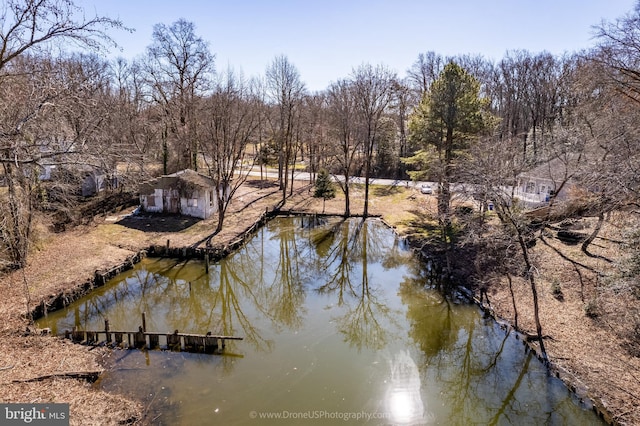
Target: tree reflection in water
column 442, row 362
column 474, row 372
column 331, row 257
column 356, row 244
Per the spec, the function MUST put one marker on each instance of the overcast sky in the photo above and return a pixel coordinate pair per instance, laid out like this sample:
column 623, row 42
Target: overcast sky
column 326, row 39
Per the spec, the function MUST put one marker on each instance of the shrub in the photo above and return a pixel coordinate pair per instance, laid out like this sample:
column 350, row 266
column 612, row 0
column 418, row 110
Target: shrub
column 556, row 290
column 591, row 309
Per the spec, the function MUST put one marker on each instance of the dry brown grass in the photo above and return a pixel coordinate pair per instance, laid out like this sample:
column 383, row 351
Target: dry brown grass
column 590, row 349
column 60, row 262
column 25, row 359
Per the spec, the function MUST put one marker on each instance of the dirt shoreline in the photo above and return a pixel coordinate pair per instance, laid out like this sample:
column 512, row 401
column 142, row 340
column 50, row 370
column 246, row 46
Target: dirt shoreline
column 89, row 251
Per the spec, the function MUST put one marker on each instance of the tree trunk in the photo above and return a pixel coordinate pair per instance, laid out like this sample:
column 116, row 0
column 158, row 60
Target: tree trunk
column 347, row 206
column 293, row 170
column 221, row 215
column 165, row 152
column 534, row 291
column 594, row 234
column 18, row 228
column 281, row 145
column 444, row 200
column 513, row 301
column 367, row 163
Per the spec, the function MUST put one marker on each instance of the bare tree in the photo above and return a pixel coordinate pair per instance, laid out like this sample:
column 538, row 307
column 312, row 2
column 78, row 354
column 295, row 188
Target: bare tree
column 29, row 82
column 373, row 89
column 614, row 66
column 232, row 117
column 607, row 125
column 494, row 168
column 179, row 66
column 134, row 125
column 85, row 110
column 424, row 71
column 526, row 93
column 286, row 91
column 342, row 121
column 314, row 133
column 619, row 49
column 28, row 92
column 31, row 25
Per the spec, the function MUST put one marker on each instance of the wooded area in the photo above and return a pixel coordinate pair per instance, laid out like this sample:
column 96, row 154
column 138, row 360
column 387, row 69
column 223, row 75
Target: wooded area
column 450, row 120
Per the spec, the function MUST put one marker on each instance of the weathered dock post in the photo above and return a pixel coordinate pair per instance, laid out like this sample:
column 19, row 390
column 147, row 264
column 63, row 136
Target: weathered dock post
column 106, row 330
column 76, row 336
column 154, row 341
column 173, row 341
column 140, row 337
column 140, row 340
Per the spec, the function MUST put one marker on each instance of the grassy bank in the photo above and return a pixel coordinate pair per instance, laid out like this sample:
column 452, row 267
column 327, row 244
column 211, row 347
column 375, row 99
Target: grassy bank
column 592, row 349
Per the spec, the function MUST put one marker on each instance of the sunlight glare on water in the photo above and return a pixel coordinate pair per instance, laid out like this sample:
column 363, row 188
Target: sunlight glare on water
column 340, row 326
column 403, row 396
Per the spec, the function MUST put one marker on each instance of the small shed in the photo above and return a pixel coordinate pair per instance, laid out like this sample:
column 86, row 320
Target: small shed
column 93, row 181
column 186, row 192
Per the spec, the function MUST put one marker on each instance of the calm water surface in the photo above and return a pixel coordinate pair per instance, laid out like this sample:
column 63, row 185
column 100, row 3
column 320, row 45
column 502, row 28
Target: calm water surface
column 338, row 328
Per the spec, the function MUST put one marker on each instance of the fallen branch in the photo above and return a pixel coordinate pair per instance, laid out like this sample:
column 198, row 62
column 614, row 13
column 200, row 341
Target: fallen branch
column 89, row 376
column 529, row 337
column 567, row 258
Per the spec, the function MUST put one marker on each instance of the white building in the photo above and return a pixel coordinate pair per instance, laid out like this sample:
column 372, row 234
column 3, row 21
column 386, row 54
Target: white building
column 538, row 185
column 186, row 192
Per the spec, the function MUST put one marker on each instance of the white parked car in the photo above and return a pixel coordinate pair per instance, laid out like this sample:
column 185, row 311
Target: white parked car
column 425, row 188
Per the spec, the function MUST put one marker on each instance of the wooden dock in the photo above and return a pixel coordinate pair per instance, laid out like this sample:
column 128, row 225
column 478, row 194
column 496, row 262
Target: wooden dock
column 142, row 339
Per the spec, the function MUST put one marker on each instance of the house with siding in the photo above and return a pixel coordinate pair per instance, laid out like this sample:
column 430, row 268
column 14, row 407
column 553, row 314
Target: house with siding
column 536, row 186
column 94, row 181
column 186, row 192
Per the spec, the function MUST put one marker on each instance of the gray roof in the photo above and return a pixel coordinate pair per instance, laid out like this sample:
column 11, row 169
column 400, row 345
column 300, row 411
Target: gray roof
column 185, row 181
column 556, row 169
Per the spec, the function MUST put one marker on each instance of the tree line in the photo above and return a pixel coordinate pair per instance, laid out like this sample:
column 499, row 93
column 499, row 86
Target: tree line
column 448, row 119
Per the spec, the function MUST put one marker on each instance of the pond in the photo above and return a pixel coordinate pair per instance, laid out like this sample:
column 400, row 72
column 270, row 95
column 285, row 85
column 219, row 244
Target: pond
column 339, row 326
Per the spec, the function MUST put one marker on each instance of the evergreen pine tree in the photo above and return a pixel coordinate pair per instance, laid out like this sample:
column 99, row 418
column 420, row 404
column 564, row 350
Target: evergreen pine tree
column 324, row 187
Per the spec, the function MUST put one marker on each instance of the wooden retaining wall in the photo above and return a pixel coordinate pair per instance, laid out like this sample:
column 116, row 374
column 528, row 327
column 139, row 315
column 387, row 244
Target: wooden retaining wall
column 570, row 381
column 211, row 253
column 205, row 343
column 66, row 297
